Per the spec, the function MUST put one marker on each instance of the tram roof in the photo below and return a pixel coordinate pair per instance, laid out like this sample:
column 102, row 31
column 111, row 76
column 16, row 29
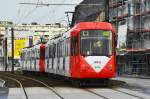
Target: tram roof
column 94, row 25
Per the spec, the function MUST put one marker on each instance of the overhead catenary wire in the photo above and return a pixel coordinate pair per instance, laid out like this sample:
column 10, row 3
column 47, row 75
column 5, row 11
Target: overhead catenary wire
column 53, row 10
column 58, row 4
column 57, row 8
column 30, row 12
column 45, row 16
column 53, row 4
column 18, row 14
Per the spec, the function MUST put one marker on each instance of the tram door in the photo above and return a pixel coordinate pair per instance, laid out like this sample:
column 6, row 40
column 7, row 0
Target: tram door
column 148, row 64
column 74, row 53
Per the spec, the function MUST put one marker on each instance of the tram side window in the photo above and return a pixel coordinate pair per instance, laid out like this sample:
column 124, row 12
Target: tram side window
column 57, row 49
column 38, row 52
column 60, row 50
column 54, row 50
column 65, row 48
column 32, row 54
column 28, row 55
column 74, row 49
column 50, row 52
column 25, row 55
column 46, row 53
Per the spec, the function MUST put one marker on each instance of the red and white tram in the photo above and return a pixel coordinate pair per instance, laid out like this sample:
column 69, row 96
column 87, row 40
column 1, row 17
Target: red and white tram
column 86, row 51
column 33, row 58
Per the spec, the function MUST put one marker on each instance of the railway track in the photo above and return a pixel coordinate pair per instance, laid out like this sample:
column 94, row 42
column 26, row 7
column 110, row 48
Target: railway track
column 115, row 91
column 50, row 87
column 25, row 96
column 20, row 81
column 127, row 93
column 95, row 93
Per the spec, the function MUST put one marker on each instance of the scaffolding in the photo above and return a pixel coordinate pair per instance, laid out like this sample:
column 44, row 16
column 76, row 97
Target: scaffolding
column 136, row 13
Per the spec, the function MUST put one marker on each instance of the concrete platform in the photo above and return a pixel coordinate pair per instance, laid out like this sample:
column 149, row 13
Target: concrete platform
column 4, row 93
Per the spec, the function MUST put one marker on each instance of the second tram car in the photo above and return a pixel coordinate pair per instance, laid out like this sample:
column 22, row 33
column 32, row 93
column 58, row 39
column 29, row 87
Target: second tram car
column 33, row 58
column 87, row 51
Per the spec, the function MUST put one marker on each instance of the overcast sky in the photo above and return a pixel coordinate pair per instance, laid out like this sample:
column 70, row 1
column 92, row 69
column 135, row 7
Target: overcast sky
column 11, row 10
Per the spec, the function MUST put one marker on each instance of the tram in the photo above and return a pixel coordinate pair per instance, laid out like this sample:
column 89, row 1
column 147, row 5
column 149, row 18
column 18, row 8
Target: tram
column 87, row 51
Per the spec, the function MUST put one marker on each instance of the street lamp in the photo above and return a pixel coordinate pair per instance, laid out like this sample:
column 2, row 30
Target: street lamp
column 12, row 40
column 2, row 49
column 5, row 47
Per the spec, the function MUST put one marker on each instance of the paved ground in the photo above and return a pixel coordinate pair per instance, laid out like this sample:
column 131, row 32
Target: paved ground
column 73, row 93
column 40, row 93
column 3, row 93
column 137, row 84
column 1, row 83
column 134, row 86
column 76, row 93
column 15, row 93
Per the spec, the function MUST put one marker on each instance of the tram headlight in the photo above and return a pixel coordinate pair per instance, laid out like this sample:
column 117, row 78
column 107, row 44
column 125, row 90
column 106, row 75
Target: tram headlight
column 83, row 68
column 109, row 67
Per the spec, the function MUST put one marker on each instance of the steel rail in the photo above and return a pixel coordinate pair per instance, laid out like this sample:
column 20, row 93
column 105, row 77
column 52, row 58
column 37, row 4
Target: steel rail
column 127, row 93
column 90, row 91
column 21, row 86
column 47, row 86
column 116, row 91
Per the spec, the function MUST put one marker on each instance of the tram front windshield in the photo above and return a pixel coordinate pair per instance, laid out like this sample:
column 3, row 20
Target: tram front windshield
column 96, row 43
